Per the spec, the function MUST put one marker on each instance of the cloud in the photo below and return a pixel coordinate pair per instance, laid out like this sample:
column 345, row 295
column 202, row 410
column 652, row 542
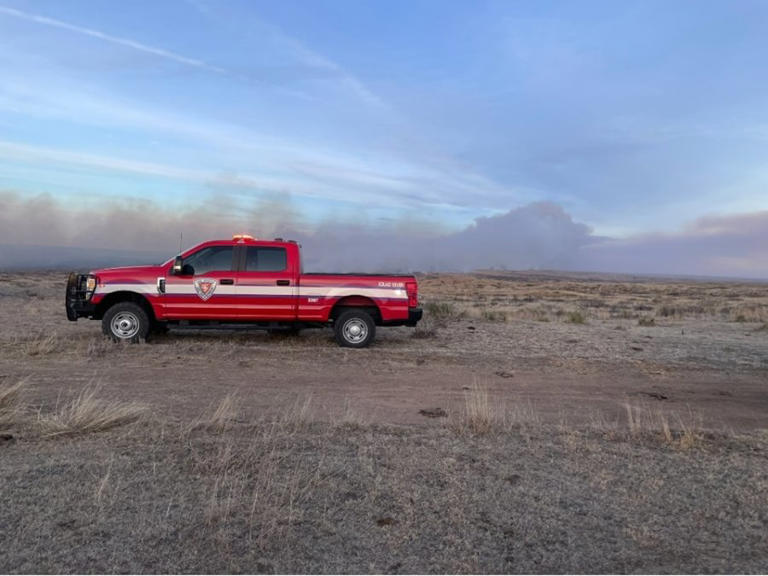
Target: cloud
column 317, row 61
column 126, row 42
column 301, row 53
column 302, row 172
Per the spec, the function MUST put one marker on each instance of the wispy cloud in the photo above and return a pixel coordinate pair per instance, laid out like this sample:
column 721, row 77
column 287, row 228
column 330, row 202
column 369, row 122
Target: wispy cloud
column 334, row 179
column 312, row 59
column 306, row 56
column 301, row 166
column 126, row 42
column 367, row 190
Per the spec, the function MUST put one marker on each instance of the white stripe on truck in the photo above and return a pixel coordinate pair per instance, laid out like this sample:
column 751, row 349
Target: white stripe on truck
column 229, row 290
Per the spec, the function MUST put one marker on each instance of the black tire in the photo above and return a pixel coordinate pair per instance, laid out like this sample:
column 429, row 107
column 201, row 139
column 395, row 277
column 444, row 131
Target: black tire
column 354, row 328
column 71, row 293
column 126, row 322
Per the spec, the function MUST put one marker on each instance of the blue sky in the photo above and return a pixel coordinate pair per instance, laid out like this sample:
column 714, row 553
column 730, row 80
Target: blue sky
column 635, row 117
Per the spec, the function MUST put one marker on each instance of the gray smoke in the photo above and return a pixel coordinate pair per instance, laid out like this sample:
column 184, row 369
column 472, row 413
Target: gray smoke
column 532, row 236
column 734, row 245
column 42, row 232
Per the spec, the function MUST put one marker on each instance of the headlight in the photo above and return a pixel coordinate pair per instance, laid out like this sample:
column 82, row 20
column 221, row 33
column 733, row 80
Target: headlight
column 90, row 284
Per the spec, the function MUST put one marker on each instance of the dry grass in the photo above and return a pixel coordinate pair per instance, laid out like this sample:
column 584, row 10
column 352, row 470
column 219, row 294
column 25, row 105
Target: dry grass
column 437, row 314
column 348, row 417
column 261, row 473
column 479, row 415
column 673, row 430
column 225, row 415
column 575, row 317
column 41, row 345
column 425, row 329
column 291, row 495
column 217, row 418
column 86, row 413
column 546, row 297
column 442, row 311
column 99, row 347
column 10, row 404
column 295, row 418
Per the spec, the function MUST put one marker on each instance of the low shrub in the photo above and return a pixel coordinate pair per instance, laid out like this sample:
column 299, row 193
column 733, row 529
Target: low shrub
column 575, row 317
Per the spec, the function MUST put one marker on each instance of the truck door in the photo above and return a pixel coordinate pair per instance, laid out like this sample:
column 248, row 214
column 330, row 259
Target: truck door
column 266, row 287
column 206, row 288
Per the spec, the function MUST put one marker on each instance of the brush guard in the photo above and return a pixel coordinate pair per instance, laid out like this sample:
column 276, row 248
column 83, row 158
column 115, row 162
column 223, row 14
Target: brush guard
column 77, row 299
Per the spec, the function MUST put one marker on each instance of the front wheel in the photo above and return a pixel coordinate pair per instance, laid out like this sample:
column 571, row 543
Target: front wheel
column 354, row 328
column 126, row 322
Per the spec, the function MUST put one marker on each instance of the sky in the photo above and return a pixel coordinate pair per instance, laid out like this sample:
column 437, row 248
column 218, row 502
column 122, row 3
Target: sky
column 609, row 135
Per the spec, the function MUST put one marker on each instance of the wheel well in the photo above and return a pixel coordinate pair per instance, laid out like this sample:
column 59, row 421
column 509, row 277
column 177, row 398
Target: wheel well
column 115, row 297
column 357, row 302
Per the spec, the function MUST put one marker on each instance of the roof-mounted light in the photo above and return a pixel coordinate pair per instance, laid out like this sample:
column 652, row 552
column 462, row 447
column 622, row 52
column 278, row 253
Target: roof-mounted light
column 242, row 238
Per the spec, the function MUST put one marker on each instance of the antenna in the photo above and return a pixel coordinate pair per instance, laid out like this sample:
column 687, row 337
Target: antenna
column 181, row 237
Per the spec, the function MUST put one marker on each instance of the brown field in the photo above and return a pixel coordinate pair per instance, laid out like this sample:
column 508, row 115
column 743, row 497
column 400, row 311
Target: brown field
column 531, row 423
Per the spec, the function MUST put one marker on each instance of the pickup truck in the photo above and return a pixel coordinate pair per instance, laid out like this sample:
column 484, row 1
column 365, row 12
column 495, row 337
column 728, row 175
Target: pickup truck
column 242, row 281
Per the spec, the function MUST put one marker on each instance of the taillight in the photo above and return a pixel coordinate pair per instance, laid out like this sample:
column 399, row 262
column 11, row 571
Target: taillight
column 412, row 289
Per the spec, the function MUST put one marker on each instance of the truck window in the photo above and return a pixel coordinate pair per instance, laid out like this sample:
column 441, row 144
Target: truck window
column 265, row 259
column 210, row 259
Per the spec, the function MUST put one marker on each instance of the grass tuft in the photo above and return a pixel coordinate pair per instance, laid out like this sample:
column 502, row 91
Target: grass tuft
column 10, row 405
column 643, row 422
column 218, row 419
column 442, row 311
column 427, row 328
column 479, row 415
column 41, row 345
column 87, row 414
column 646, row 321
column 493, row 315
column 225, row 414
column 575, row 317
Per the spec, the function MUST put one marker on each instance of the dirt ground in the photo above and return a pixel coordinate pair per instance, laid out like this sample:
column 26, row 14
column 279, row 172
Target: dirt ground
column 571, row 350
column 531, row 423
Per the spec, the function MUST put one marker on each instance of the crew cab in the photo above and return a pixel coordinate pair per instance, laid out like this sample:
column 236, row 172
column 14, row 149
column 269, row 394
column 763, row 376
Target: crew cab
column 241, row 281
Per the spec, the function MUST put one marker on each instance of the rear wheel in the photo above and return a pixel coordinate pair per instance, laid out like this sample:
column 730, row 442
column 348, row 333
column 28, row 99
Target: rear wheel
column 126, row 322
column 354, row 328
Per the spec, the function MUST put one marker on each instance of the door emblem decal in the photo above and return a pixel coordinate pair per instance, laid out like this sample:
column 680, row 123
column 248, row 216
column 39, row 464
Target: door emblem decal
column 205, row 287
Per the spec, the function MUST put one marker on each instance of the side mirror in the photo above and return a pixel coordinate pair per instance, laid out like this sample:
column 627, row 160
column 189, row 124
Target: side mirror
column 178, row 266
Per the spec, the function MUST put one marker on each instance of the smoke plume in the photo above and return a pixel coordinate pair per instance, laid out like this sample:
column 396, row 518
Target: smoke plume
column 42, row 232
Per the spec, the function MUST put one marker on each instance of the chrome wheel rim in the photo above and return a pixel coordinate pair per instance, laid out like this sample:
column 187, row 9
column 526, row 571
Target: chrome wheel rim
column 125, row 325
column 355, row 331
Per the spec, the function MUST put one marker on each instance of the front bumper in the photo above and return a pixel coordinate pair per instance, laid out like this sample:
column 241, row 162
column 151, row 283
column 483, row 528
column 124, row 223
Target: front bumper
column 78, row 300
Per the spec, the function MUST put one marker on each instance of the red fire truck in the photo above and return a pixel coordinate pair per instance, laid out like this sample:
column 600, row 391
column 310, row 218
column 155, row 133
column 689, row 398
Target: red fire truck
column 242, row 281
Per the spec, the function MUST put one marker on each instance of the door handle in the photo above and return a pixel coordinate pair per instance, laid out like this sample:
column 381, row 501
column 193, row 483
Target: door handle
column 283, row 282
column 227, row 281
